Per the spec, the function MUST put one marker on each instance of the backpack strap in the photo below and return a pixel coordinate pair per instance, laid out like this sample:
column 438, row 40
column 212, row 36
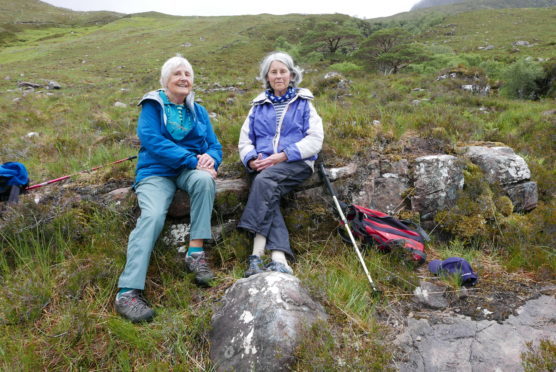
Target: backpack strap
column 422, row 255
column 418, row 229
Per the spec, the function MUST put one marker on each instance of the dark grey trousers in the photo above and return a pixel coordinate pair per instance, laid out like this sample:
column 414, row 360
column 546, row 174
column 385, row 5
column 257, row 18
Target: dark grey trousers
column 262, row 213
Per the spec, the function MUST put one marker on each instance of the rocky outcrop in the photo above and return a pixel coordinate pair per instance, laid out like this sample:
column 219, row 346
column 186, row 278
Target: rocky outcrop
column 501, row 165
column 261, row 322
column 425, row 185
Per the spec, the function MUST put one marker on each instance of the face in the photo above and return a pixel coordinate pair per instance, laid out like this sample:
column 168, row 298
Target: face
column 180, row 84
column 279, row 77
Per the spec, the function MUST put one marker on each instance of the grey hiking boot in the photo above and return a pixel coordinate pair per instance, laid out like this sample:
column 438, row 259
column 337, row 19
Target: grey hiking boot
column 133, row 306
column 279, row 267
column 255, row 266
column 197, row 264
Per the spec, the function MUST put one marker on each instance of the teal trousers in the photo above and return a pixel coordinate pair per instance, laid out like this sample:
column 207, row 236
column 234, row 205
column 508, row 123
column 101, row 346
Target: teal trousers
column 154, row 195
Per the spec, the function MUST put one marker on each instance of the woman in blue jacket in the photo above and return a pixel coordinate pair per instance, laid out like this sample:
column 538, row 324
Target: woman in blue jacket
column 178, row 150
column 278, row 144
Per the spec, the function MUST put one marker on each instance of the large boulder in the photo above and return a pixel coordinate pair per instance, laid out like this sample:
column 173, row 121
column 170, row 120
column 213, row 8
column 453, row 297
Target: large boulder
column 501, row 165
column 261, row 322
column 436, row 179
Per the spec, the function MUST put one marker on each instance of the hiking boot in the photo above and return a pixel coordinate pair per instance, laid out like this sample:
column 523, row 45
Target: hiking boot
column 279, row 267
column 197, row 263
column 133, row 306
column 255, row 266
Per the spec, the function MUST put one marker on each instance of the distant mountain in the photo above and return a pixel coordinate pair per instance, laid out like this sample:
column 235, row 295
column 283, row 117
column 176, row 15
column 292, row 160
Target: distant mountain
column 18, row 15
column 35, row 13
column 485, row 4
column 441, row 8
column 430, row 3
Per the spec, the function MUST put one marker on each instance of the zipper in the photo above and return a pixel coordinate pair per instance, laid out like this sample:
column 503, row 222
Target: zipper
column 276, row 138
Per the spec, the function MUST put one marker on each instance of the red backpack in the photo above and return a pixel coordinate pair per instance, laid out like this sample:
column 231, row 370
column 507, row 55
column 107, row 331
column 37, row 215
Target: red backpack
column 385, row 232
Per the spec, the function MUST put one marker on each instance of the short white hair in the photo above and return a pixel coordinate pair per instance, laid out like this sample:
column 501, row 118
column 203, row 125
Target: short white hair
column 295, row 71
column 170, row 66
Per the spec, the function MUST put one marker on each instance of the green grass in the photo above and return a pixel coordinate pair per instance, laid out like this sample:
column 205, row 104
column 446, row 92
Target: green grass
column 59, row 260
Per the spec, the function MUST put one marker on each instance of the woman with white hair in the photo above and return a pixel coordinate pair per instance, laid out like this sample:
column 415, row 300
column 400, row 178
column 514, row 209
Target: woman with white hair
column 278, row 144
column 179, row 149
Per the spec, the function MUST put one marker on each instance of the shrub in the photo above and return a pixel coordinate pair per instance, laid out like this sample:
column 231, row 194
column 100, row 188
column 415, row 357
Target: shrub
column 539, row 358
column 520, row 80
column 547, row 83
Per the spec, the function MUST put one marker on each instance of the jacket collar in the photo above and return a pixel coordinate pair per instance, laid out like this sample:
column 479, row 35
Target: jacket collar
column 302, row 93
column 154, row 95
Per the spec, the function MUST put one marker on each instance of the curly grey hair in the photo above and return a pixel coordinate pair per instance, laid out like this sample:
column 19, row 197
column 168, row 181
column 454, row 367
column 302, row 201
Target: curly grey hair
column 296, row 71
column 170, row 66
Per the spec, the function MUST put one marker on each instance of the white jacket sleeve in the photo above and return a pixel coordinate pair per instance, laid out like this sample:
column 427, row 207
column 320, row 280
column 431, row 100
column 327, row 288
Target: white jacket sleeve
column 245, row 145
column 311, row 144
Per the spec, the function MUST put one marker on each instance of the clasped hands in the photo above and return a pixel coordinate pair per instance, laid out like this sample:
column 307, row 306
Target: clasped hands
column 206, row 163
column 259, row 163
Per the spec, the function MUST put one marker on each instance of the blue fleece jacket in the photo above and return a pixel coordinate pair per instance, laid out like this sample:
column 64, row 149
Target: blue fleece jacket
column 160, row 153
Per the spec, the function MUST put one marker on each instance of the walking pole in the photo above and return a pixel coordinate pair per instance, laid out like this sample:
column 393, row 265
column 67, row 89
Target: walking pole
column 75, row 174
column 322, row 172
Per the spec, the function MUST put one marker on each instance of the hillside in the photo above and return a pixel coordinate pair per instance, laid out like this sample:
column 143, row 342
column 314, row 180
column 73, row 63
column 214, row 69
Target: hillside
column 484, row 4
column 38, row 13
column 16, row 16
column 63, row 246
column 430, row 11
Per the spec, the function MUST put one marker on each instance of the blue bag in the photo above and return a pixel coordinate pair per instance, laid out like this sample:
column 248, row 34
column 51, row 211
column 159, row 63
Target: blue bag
column 13, row 180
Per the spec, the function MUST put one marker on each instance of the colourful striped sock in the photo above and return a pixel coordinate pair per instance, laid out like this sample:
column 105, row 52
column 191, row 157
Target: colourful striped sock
column 194, row 250
column 122, row 291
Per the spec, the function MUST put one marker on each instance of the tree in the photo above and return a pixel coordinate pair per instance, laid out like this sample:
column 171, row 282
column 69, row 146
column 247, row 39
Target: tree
column 399, row 57
column 334, row 38
column 389, row 50
column 382, row 41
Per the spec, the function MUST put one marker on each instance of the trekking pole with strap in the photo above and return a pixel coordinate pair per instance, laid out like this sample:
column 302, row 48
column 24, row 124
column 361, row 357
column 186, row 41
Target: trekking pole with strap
column 326, row 181
column 75, row 174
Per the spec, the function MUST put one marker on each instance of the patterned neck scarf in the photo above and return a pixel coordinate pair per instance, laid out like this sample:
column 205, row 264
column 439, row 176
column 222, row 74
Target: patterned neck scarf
column 178, row 118
column 290, row 93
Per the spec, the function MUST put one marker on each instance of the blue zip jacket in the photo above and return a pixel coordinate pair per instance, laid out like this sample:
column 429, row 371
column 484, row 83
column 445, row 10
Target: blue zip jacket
column 299, row 134
column 160, row 153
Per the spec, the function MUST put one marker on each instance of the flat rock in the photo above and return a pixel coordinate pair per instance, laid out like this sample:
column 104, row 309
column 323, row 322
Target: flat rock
column 457, row 343
column 431, row 295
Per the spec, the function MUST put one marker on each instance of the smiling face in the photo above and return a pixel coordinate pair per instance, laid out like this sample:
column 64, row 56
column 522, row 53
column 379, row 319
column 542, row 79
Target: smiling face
column 278, row 77
column 180, row 84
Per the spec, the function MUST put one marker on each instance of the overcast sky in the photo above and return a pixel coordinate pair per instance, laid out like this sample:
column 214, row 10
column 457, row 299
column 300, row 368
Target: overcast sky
column 359, row 8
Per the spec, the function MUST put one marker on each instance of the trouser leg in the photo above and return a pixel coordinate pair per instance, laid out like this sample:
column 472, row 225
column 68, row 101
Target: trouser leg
column 262, row 212
column 201, row 188
column 154, row 195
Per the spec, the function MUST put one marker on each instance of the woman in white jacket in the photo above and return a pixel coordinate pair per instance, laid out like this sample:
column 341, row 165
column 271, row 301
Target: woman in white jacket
column 278, row 144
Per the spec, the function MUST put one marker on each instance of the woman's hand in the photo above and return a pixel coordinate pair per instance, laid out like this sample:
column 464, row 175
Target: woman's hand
column 206, row 163
column 260, row 164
